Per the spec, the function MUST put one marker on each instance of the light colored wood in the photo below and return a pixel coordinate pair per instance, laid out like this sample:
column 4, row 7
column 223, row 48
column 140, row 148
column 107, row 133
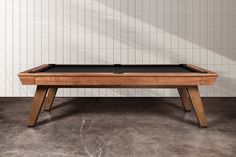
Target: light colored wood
column 201, row 69
column 50, row 98
column 197, row 105
column 27, row 80
column 119, row 80
column 132, row 74
column 208, row 81
column 35, row 68
column 114, row 79
column 185, row 98
column 39, row 97
column 94, row 74
column 116, row 86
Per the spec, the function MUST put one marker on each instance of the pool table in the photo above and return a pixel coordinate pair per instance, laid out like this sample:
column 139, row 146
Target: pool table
column 185, row 77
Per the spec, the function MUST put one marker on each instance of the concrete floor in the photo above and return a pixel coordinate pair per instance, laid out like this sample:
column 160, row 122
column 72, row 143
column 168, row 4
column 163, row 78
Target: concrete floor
column 118, row 127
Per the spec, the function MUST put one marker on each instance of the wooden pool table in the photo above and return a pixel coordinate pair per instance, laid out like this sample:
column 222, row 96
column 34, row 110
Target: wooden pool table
column 49, row 77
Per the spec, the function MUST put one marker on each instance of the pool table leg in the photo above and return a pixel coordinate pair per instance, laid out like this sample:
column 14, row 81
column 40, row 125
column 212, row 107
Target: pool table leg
column 50, row 98
column 197, row 105
column 38, row 100
column 185, row 99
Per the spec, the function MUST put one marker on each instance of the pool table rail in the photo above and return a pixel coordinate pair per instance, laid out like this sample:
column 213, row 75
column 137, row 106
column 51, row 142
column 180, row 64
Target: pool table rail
column 32, row 77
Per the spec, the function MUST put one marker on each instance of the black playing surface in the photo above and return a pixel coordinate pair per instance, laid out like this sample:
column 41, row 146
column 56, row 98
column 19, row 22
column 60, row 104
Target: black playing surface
column 118, row 69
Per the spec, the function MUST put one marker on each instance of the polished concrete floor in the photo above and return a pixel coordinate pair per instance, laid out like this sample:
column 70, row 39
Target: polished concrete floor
column 118, row 127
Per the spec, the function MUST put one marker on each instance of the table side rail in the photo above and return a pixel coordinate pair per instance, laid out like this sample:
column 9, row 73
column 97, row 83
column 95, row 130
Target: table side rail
column 109, row 80
column 80, row 74
column 201, row 69
column 35, row 69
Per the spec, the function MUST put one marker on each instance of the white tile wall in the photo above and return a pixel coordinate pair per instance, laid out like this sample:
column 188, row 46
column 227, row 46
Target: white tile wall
column 201, row 32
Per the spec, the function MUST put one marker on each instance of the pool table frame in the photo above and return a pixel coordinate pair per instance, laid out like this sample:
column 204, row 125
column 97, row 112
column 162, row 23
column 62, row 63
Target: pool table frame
column 186, row 83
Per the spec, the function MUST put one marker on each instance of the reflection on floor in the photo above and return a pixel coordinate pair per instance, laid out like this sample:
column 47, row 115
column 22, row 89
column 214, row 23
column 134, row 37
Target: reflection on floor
column 117, row 127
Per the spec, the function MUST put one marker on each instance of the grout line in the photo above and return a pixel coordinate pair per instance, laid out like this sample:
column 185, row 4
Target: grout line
column 91, row 49
column 127, row 31
column 207, row 89
column 120, row 41
column 99, row 36
column 142, row 31
column 221, row 48
column 34, row 33
column 41, row 31
column 5, row 47
column 164, row 24
column 48, row 30
column 84, row 90
column 192, row 32
column 27, row 40
column 178, row 34
column 70, row 31
column 34, row 36
column 12, row 59
column 135, row 34
column 142, row 38
column 171, row 42
column 156, row 91
column 200, row 40
column 55, row 32
column 77, row 34
column 120, row 34
column 70, row 40
column 63, row 39
column 106, row 32
column 135, row 40
column 178, row 60
column 164, row 43
column 113, row 33
column 149, row 31
column 127, row 51
column 92, row 53
column 106, row 37
column 214, row 41
column 20, row 93
column 171, row 32
column 229, row 46
column 84, row 31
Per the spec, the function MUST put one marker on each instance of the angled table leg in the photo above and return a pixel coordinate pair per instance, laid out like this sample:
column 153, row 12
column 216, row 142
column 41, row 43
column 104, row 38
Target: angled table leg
column 39, row 97
column 185, row 99
column 50, row 98
column 197, row 105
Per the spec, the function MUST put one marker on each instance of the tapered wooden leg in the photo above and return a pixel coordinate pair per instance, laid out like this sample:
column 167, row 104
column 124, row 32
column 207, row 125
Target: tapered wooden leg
column 197, row 105
column 39, row 97
column 185, row 99
column 49, row 99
